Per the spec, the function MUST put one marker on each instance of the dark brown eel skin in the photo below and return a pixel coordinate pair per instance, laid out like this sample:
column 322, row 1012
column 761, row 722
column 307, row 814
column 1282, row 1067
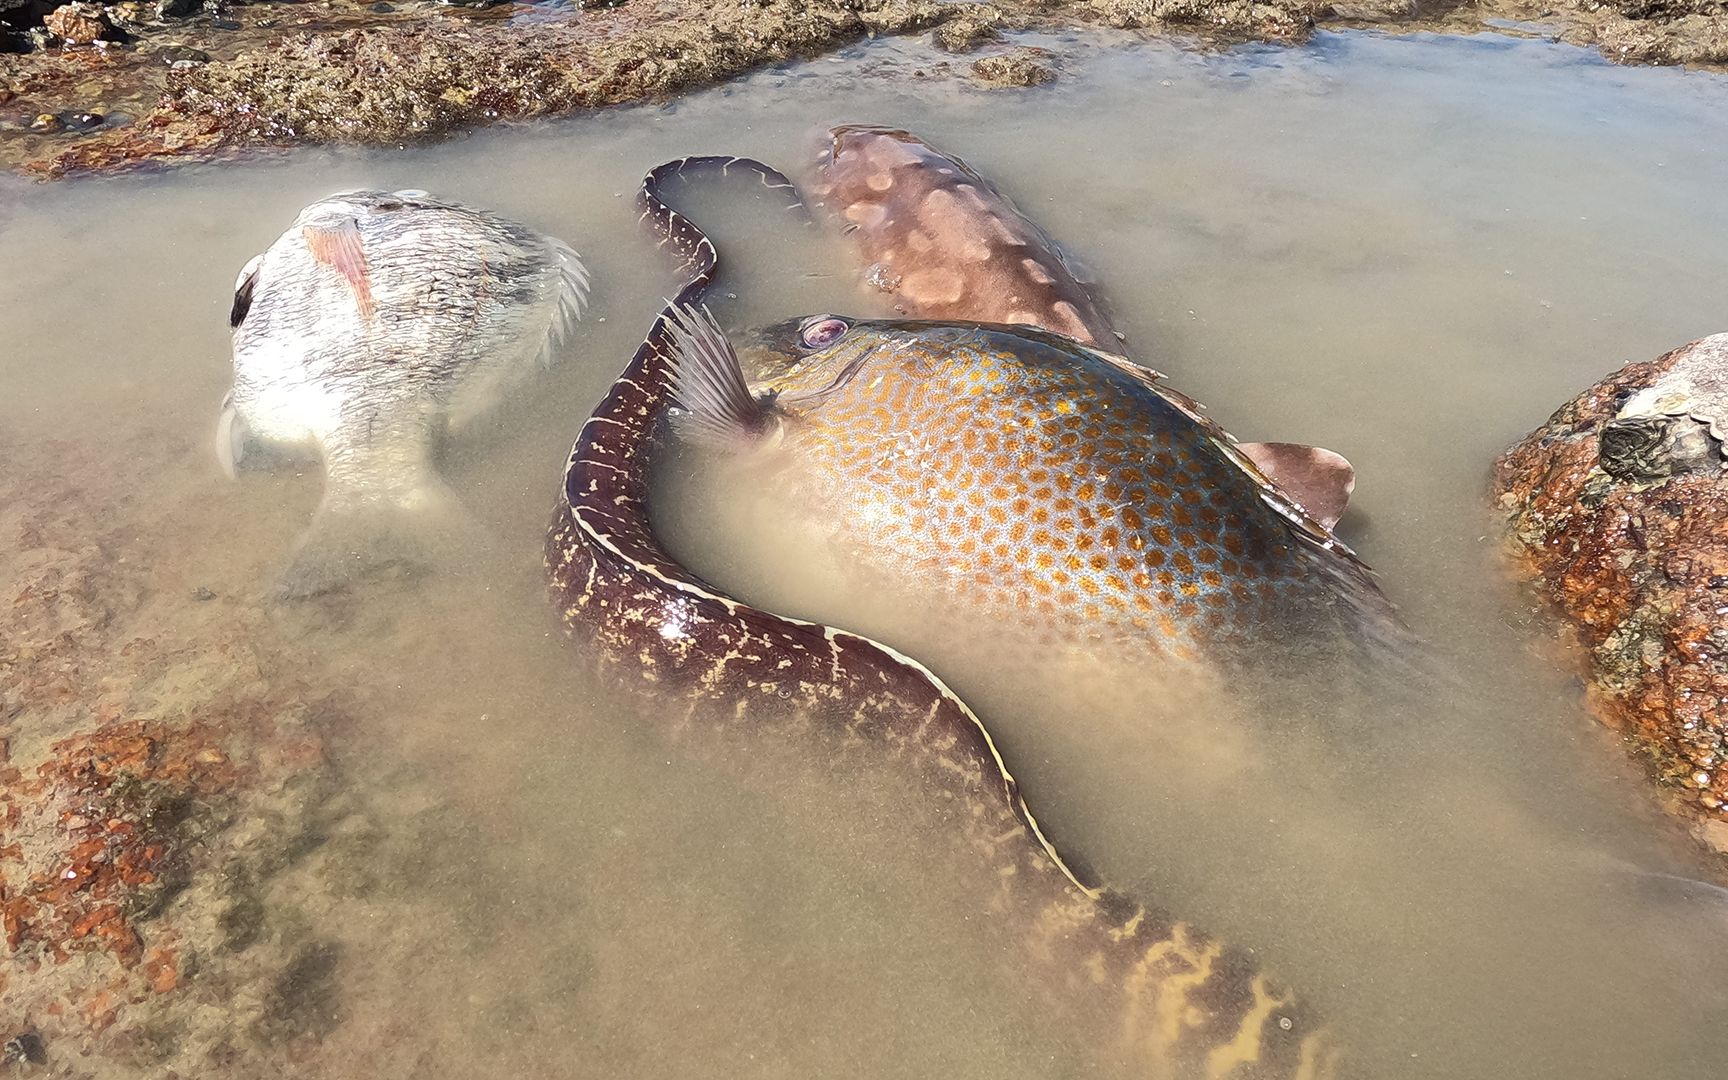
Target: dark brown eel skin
column 1141, row 988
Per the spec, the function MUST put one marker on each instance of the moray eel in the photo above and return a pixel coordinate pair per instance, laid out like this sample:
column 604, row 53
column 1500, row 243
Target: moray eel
column 1028, row 479
column 1157, row 991
column 944, row 243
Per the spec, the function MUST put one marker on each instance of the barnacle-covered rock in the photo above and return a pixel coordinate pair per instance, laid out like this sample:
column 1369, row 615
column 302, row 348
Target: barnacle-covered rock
column 1017, row 68
column 1619, row 509
column 81, row 24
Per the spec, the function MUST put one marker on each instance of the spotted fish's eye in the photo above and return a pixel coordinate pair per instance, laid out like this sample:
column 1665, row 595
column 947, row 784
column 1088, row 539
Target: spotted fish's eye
column 821, row 331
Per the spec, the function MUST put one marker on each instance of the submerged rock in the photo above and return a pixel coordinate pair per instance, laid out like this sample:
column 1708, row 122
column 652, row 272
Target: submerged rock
column 1021, row 67
column 970, row 30
column 193, row 848
column 1619, row 508
column 81, row 24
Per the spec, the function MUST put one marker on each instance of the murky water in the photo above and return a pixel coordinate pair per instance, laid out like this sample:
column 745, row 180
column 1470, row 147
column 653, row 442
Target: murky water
column 1407, row 250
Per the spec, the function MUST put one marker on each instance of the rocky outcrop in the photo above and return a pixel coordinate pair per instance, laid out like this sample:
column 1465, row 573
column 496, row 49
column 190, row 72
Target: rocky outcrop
column 247, row 77
column 1619, row 509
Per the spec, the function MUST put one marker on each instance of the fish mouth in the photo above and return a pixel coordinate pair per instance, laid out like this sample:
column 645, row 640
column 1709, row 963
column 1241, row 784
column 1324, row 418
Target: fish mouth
column 841, row 133
column 830, row 144
column 769, row 352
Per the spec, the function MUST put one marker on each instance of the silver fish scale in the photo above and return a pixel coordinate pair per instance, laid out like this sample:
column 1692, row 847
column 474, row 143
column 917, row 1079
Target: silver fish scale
column 463, row 301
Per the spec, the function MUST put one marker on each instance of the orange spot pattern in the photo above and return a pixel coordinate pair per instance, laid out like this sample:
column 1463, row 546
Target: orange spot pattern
column 1041, row 479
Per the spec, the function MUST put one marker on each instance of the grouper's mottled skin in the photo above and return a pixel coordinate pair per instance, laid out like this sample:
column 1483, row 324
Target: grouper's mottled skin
column 943, row 242
column 1143, row 988
column 1043, row 482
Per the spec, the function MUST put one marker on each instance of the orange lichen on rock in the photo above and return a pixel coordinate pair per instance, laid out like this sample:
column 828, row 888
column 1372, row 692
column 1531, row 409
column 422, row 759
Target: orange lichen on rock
column 156, row 770
column 104, row 839
column 1619, row 509
column 161, row 967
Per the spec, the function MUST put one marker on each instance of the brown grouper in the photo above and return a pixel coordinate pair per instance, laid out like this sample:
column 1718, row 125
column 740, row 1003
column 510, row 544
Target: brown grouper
column 944, row 243
column 1152, row 990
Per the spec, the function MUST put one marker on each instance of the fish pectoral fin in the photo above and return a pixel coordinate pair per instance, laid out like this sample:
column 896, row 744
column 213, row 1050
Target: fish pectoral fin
column 707, row 382
column 339, row 248
column 231, row 435
column 243, row 286
column 1319, row 479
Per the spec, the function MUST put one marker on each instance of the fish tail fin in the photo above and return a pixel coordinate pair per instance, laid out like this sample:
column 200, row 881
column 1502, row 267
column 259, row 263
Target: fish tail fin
column 361, row 535
column 1380, row 645
column 1373, row 630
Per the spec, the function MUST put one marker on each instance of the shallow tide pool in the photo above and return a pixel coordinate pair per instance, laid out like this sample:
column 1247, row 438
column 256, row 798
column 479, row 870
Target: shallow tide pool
column 1408, row 250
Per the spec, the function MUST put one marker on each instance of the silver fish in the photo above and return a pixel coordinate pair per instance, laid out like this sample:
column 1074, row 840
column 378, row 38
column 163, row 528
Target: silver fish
column 378, row 321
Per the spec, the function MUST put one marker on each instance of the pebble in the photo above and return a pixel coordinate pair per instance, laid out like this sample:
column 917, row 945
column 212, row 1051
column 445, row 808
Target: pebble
column 22, row 1048
column 183, row 56
column 1019, row 68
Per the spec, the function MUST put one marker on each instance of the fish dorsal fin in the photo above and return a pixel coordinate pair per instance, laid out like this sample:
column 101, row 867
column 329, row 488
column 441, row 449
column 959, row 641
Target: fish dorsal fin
column 243, row 286
column 1307, row 524
column 1319, row 479
column 1137, row 370
column 707, row 382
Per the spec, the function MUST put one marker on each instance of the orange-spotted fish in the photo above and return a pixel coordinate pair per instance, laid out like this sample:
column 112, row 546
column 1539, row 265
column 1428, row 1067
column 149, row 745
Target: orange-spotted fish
column 377, row 321
column 943, row 242
column 1043, row 480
